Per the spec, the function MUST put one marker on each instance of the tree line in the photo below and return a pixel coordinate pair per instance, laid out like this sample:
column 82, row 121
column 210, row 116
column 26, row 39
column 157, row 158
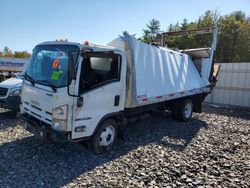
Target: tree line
column 233, row 42
column 6, row 52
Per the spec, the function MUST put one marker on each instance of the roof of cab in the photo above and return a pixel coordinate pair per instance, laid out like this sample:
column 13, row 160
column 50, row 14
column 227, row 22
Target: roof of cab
column 81, row 46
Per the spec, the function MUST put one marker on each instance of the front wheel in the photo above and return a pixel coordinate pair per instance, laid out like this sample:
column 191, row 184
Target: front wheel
column 105, row 137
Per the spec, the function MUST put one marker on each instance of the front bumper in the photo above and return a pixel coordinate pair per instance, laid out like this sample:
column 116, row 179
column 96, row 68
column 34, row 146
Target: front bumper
column 11, row 102
column 42, row 130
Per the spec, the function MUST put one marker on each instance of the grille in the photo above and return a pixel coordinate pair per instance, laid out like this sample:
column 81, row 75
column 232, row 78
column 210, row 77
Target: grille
column 3, row 92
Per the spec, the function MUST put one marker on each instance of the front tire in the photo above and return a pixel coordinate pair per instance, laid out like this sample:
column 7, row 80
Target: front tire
column 105, row 137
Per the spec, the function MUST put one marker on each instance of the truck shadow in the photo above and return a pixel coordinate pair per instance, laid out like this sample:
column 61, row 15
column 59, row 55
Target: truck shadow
column 5, row 114
column 161, row 129
column 30, row 162
column 7, row 119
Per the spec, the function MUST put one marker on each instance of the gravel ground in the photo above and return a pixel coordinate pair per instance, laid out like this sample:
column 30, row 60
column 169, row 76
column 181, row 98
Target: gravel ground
column 212, row 150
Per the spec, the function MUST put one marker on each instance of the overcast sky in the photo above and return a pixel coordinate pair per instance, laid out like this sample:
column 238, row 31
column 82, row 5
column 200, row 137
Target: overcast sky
column 28, row 22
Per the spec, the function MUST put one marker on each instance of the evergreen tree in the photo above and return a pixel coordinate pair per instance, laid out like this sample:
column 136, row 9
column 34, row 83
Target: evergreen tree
column 6, row 51
column 149, row 34
column 184, row 24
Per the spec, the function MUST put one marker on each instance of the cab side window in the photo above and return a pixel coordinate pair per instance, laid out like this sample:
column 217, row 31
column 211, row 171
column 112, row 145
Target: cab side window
column 98, row 70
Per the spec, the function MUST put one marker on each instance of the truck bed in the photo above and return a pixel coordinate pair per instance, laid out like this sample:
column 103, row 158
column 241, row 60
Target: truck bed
column 156, row 74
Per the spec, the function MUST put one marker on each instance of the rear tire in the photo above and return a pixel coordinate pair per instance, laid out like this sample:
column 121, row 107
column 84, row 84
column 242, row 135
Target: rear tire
column 186, row 110
column 183, row 110
column 105, row 137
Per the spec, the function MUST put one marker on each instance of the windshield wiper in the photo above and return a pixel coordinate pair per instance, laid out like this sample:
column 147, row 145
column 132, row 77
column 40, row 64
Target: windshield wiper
column 53, row 87
column 29, row 78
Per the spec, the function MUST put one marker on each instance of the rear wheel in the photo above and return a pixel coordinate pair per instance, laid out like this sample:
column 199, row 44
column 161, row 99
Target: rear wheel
column 183, row 110
column 105, row 137
column 186, row 110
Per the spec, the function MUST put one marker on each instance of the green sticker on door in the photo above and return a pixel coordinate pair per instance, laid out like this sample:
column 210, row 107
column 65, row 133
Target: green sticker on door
column 55, row 75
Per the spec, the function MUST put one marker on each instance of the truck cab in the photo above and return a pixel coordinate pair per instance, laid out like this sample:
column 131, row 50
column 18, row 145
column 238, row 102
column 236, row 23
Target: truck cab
column 73, row 89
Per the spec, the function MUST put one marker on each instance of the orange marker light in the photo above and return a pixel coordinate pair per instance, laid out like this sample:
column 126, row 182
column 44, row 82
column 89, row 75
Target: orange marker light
column 55, row 64
column 86, row 42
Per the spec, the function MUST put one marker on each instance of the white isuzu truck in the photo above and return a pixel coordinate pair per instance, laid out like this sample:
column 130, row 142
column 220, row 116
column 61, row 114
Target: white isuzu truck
column 76, row 92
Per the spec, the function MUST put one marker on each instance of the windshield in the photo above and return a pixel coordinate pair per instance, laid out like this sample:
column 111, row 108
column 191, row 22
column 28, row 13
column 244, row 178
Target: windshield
column 49, row 64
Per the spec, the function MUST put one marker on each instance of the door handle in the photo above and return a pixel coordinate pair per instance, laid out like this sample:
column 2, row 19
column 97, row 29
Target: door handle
column 79, row 101
column 117, row 100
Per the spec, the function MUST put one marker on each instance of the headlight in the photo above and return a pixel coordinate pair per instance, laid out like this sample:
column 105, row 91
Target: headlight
column 59, row 125
column 16, row 91
column 60, row 118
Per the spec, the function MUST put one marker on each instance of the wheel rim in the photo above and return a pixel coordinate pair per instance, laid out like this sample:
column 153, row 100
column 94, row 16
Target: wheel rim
column 188, row 110
column 107, row 137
